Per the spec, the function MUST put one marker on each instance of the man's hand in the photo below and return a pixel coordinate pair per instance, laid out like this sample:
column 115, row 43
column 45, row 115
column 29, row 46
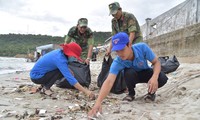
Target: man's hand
column 152, row 85
column 87, row 61
column 93, row 113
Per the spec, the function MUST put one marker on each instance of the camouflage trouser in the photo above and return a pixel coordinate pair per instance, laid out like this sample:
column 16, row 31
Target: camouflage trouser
column 137, row 40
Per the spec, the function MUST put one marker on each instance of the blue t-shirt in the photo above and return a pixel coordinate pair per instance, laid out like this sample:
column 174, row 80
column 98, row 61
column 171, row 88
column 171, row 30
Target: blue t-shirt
column 142, row 54
column 52, row 61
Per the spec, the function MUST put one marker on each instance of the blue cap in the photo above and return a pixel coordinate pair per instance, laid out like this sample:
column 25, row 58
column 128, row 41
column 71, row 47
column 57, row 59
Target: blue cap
column 119, row 41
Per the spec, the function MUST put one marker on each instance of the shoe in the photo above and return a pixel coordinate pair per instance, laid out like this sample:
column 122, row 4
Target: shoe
column 150, row 97
column 39, row 88
column 129, row 98
column 46, row 91
column 35, row 90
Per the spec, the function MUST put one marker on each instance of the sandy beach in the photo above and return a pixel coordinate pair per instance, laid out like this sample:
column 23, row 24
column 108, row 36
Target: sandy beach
column 179, row 99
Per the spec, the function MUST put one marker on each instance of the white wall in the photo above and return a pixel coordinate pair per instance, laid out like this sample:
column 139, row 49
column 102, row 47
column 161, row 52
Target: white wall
column 183, row 15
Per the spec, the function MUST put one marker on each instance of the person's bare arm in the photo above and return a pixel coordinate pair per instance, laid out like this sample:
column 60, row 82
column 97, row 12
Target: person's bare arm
column 89, row 55
column 89, row 93
column 153, row 82
column 105, row 89
column 131, row 37
column 90, row 48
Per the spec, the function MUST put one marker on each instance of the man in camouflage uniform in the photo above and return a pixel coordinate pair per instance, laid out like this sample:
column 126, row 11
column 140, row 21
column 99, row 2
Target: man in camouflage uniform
column 82, row 35
column 124, row 22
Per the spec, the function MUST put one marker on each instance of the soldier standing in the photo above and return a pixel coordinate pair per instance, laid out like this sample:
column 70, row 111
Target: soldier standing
column 82, row 35
column 124, row 22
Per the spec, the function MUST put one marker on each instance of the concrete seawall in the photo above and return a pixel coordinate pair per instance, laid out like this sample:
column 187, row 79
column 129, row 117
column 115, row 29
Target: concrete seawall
column 181, row 16
column 184, row 43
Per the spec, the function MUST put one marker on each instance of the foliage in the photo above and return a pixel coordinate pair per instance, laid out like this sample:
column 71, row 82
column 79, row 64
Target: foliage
column 13, row 44
column 100, row 37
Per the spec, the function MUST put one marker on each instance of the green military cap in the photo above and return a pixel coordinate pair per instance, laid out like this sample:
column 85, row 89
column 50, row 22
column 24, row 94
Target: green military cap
column 113, row 7
column 83, row 22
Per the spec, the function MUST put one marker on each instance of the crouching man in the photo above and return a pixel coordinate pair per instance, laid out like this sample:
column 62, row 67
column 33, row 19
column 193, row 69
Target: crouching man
column 54, row 66
column 133, row 60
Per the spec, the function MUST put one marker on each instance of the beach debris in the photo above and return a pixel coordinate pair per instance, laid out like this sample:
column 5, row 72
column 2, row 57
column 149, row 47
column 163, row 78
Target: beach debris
column 3, row 87
column 54, row 96
column 23, row 88
column 19, row 98
column 24, row 78
column 44, row 118
column 11, row 114
column 18, row 72
column 3, row 105
column 56, row 117
column 60, row 111
column 4, row 111
column 129, row 110
column 42, row 113
column 183, row 88
column 93, row 88
column 32, row 114
column 16, row 78
column 33, row 90
column 85, row 107
column 142, row 116
column 74, row 108
column 92, row 97
column 117, row 111
column 98, row 116
column 92, row 118
column 23, row 116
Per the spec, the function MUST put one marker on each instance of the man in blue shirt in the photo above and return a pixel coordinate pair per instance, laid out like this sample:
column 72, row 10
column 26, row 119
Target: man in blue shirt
column 133, row 60
column 54, row 65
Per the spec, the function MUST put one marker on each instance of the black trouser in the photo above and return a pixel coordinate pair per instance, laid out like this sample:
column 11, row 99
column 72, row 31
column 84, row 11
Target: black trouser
column 49, row 78
column 133, row 77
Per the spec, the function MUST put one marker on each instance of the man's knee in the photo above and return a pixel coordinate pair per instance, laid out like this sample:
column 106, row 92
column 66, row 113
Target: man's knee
column 130, row 73
column 162, row 80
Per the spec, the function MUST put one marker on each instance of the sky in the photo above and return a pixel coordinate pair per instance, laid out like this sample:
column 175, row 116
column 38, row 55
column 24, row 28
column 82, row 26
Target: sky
column 56, row 17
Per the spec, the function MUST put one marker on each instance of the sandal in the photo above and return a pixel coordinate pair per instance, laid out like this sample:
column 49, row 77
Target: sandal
column 45, row 91
column 39, row 88
column 150, row 97
column 34, row 90
column 128, row 98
